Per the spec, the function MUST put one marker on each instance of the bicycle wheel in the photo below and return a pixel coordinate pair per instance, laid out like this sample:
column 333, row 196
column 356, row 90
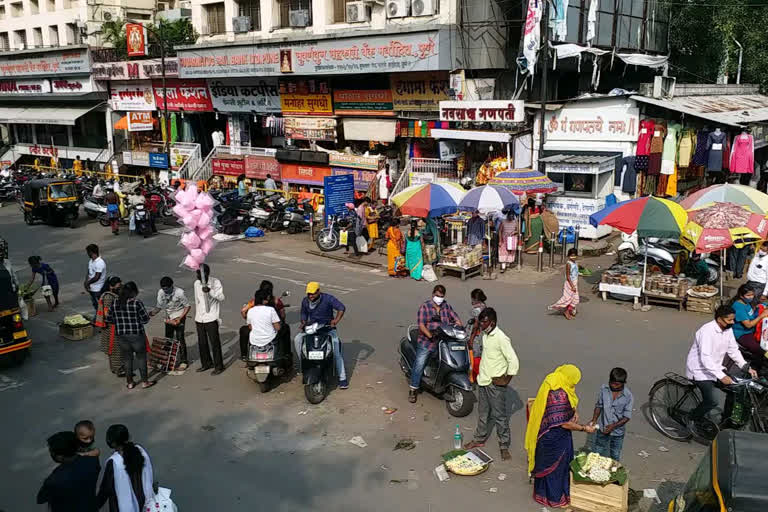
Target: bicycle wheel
column 669, row 406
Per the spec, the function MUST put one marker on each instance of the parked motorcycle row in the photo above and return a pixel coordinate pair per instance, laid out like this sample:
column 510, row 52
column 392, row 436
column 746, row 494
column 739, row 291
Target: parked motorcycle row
column 329, row 238
column 272, row 212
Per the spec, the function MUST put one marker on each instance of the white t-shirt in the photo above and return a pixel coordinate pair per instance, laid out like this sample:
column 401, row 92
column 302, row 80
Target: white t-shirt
column 261, row 318
column 94, row 267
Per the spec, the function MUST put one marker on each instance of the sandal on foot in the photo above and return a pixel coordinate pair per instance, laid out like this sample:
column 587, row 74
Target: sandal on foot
column 130, row 385
column 148, row 384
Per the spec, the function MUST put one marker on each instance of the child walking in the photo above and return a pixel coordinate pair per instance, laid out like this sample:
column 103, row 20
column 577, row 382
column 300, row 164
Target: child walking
column 613, row 411
column 86, row 433
column 49, row 280
column 570, row 298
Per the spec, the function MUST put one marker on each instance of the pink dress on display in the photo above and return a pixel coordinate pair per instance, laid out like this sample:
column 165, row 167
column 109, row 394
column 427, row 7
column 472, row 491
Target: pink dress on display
column 743, row 154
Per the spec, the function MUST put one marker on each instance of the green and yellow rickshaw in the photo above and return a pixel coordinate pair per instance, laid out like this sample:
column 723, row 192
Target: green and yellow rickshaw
column 53, row 201
column 14, row 341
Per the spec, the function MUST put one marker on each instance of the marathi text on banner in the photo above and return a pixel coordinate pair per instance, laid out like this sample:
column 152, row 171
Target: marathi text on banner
column 305, row 97
column 245, row 95
column 190, row 95
column 419, row 91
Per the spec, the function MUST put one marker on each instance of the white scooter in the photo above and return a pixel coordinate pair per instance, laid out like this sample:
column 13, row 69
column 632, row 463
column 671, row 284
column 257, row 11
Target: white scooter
column 660, row 253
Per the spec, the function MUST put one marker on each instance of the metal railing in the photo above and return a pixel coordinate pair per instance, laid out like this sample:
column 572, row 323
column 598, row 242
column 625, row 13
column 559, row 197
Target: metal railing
column 194, row 159
column 425, row 170
column 205, row 170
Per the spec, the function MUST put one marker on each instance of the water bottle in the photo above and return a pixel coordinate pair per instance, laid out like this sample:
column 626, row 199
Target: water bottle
column 458, row 439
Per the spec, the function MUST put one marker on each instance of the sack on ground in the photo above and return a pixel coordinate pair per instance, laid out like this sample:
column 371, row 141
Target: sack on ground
column 428, row 274
column 362, row 245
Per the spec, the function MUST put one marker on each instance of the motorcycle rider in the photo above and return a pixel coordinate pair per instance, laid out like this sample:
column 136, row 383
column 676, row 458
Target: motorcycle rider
column 245, row 330
column 431, row 315
column 98, row 190
column 319, row 308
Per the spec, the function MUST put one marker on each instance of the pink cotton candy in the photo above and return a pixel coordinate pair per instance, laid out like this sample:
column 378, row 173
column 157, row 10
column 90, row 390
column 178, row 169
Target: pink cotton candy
column 190, row 240
column 190, row 222
column 206, row 246
column 192, row 191
column 197, row 255
column 182, row 197
column 205, row 233
column 190, row 263
column 180, row 210
column 204, row 201
column 204, row 220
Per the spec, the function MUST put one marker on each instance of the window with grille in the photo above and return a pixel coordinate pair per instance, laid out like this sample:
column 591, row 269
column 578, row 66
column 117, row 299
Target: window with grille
column 214, row 19
column 53, row 35
column 4, row 41
column 302, row 13
column 21, row 39
column 252, row 9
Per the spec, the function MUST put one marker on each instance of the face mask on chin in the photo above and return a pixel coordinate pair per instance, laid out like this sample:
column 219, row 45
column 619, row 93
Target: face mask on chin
column 438, row 300
column 488, row 329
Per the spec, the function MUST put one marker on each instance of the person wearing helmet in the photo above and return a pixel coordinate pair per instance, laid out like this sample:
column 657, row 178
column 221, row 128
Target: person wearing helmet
column 324, row 309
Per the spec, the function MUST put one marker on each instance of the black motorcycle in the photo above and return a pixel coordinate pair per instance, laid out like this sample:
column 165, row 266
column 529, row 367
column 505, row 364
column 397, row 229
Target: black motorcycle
column 329, row 238
column 316, row 358
column 447, row 371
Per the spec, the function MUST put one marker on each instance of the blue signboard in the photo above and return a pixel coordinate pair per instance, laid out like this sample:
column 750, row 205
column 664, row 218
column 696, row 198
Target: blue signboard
column 339, row 190
column 159, row 160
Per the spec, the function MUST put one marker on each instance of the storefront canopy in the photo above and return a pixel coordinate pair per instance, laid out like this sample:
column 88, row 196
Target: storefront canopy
column 58, row 114
column 482, row 136
column 382, row 130
column 727, row 109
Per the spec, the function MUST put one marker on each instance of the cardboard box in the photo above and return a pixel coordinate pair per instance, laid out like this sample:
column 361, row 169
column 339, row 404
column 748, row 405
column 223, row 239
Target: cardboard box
column 599, row 498
column 75, row 333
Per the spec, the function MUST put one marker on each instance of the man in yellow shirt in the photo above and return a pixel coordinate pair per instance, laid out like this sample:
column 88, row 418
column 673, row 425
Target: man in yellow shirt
column 77, row 166
column 497, row 367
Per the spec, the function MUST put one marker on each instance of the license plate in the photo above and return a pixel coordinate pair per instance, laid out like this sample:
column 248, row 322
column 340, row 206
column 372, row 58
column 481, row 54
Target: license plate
column 262, row 355
column 261, row 369
column 458, row 347
column 315, row 355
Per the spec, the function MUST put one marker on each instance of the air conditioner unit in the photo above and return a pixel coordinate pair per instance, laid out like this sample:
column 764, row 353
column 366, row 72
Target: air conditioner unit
column 241, row 24
column 398, row 8
column 358, row 12
column 162, row 6
column 298, row 18
column 423, row 8
column 664, row 86
column 110, row 14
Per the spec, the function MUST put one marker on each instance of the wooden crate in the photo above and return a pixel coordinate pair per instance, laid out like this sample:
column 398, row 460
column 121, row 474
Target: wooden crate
column 599, row 498
column 698, row 305
column 75, row 333
column 31, row 307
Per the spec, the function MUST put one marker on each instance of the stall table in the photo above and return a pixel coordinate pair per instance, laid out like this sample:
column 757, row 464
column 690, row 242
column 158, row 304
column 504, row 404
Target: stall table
column 463, row 272
column 606, row 288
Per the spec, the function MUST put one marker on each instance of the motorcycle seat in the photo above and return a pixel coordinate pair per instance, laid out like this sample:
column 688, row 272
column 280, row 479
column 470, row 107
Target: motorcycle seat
column 413, row 334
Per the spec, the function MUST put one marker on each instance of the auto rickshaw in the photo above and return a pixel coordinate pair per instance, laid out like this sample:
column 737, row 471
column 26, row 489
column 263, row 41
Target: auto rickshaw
column 729, row 478
column 53, row 201
column 14, row 342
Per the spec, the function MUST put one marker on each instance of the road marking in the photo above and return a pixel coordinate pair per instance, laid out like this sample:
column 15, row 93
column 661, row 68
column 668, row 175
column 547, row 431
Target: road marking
column 7, row 383
column 73, row 370
column 294, row 271
column 303, row 282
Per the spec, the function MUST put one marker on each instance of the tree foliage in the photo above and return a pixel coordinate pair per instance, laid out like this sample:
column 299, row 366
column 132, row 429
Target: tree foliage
column 172, row 33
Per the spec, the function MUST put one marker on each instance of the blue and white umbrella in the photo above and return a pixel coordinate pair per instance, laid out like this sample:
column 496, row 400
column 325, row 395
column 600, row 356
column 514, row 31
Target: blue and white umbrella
column 488, row 199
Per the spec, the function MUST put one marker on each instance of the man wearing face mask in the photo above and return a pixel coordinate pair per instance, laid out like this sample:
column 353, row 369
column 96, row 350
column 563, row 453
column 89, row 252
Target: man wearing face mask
column 324, row 309
column 431, row 315
column 497, row 367
column 713, row 341
column 173, row 300
column 757, row 274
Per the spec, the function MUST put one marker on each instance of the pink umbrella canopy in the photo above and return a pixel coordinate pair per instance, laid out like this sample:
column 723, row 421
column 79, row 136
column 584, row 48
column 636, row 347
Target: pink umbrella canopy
column 722, row 225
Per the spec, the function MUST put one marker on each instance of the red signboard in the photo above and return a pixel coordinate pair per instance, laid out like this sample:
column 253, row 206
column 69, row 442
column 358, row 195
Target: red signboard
column 190, row 95
column 227, row 167
column 136, row 36
column 257, row 167
column 304, row 174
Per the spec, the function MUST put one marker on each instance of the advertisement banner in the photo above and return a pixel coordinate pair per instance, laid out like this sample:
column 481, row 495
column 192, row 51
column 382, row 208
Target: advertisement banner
column 136, row 39
column 483, row 111
column 338, row 191
column 191, row 95
column 140, row 158
column 418, row 51
column 140, row 121
column 245, row 95
column 179, row 155
column 66, row 62
column 158, row 160
column 305, row 97
column 605, row 124
column 75, row 85
column 140, row 70
column 304, row 174
column 132, row 96
column 227, row 167
column 310, row 128
column 419, row 91
column 16, row 87
column 366, row 163
column 257, row 167
column 363, row 103
column 362, row 179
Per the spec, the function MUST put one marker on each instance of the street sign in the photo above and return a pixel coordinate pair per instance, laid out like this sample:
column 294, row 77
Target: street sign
column 339, row 190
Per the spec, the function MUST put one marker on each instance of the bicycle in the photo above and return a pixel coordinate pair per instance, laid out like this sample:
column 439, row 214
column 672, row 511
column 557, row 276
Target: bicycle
column 671, row 400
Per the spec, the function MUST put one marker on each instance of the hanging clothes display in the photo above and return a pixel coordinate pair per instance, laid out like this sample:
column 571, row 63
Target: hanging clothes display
column 558, row 19
column 700, row 153
column 685, row 150
column 715, row 143
column 626, row 175
column 672, row 183
column 174, row 128
column 669, row 151
column 644, row 144
column 657, row 147
column 727, row 153
column 743, row 154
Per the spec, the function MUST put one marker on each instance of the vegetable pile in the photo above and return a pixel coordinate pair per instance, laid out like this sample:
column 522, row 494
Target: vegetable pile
column 594, row 468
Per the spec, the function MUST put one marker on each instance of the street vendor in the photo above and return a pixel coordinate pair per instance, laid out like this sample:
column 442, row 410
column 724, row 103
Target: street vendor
column 475, row 229
column 534, row 225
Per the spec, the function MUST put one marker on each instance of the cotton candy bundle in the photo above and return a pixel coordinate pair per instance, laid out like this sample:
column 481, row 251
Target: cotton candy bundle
column 194, row 211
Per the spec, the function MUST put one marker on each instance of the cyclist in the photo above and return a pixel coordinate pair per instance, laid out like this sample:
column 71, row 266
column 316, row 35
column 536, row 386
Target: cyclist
column 713, row 341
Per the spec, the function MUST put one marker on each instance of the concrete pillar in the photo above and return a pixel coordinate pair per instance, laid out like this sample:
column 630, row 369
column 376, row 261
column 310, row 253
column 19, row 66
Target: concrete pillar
column 70, row 139
column 34, row 134
column 110, row 131
column 15, row 134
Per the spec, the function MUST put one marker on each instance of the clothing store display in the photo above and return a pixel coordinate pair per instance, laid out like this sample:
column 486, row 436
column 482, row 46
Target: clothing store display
column 727, row 153
column 657, row 147
column 644, row 138
column 649, row 185
column 669, row 151
column 685, row 151
column 661, row 185
column 700, row 153
column 626, row 175
column 672, row 184
column 743, row 154
column 715, row 143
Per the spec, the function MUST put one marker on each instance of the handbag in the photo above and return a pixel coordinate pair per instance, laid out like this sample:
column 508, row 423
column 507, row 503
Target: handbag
column 47, row 290
column 362, row 244
column 160, row 502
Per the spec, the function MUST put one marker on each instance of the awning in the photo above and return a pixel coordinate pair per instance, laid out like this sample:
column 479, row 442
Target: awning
column 65, row 115
column 380, row 130
column 727, row 109
column 439, row 133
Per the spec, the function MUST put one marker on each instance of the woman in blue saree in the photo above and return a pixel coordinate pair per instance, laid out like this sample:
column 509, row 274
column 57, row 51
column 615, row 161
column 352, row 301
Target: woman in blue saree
column 548, row 439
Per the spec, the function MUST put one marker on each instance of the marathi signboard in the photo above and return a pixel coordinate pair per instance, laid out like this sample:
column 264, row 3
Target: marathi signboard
column 16, row 87
column 607, row 124
column 227, row 167
column 304, row 174
column 418, row 51
column 257, row 167
column 75, row 85
column 67, row 62
column 366, row 163
column 337, row 191
column 363, row 102
column 245, row 95
column 305, row 97
column 190, row 95
column 132, row 96
column 158, row 160
column 419, row 91
column 362, row 179
column 489, row 111
column 140, row 121
column 138, row 70
column 310, row 128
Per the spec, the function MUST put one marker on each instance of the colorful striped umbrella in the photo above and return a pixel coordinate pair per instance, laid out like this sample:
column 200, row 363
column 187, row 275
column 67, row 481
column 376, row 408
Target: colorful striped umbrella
column 740, row 195
column 649, row 216
column 721, row 225
column 489, row 198
column 524, row 181
column 429, row 199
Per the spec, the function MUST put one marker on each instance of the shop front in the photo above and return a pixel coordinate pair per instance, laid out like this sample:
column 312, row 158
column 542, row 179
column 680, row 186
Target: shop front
column 250, row 106
column 363, row 168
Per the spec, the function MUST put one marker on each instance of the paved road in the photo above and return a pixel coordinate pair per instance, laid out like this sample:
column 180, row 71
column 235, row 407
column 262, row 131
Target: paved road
column 220, row 445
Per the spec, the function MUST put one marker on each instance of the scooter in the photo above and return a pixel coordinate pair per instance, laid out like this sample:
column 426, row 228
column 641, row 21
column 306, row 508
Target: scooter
column 94, row 206
column 329, row 238
column 295, row 219
column 266, row 363
column 316, row 359
column 447, row 373
column 141, row 220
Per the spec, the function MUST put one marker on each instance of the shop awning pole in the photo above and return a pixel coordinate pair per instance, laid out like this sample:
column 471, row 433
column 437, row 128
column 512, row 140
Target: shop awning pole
column 722, row 257
column 645, row 265
column 509, row 157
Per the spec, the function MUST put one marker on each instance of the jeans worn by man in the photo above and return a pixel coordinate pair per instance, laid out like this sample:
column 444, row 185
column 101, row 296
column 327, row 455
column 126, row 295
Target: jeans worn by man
column 323, row 309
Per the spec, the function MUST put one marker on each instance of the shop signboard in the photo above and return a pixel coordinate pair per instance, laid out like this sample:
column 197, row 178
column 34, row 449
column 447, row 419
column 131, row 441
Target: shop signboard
column 593, row 124
column 140, row 121
column 158, row 160
column 190, row 95
column 419, row 91
column 257, row 167
column 17, row 87
column 136, row 70
column 416, row 51
column 362, row 179
column 338, row 190
column 75, row 85
column 310, row 128
column 366, row 163
column 363, row 102
column 140, row 158
column 305, row 97
column 132, row 96
column 483, row 111
column 179, row 155
column 227, row 167
column 245, row 95
column 304, row 174
column 66, row 62
column 575, row 211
